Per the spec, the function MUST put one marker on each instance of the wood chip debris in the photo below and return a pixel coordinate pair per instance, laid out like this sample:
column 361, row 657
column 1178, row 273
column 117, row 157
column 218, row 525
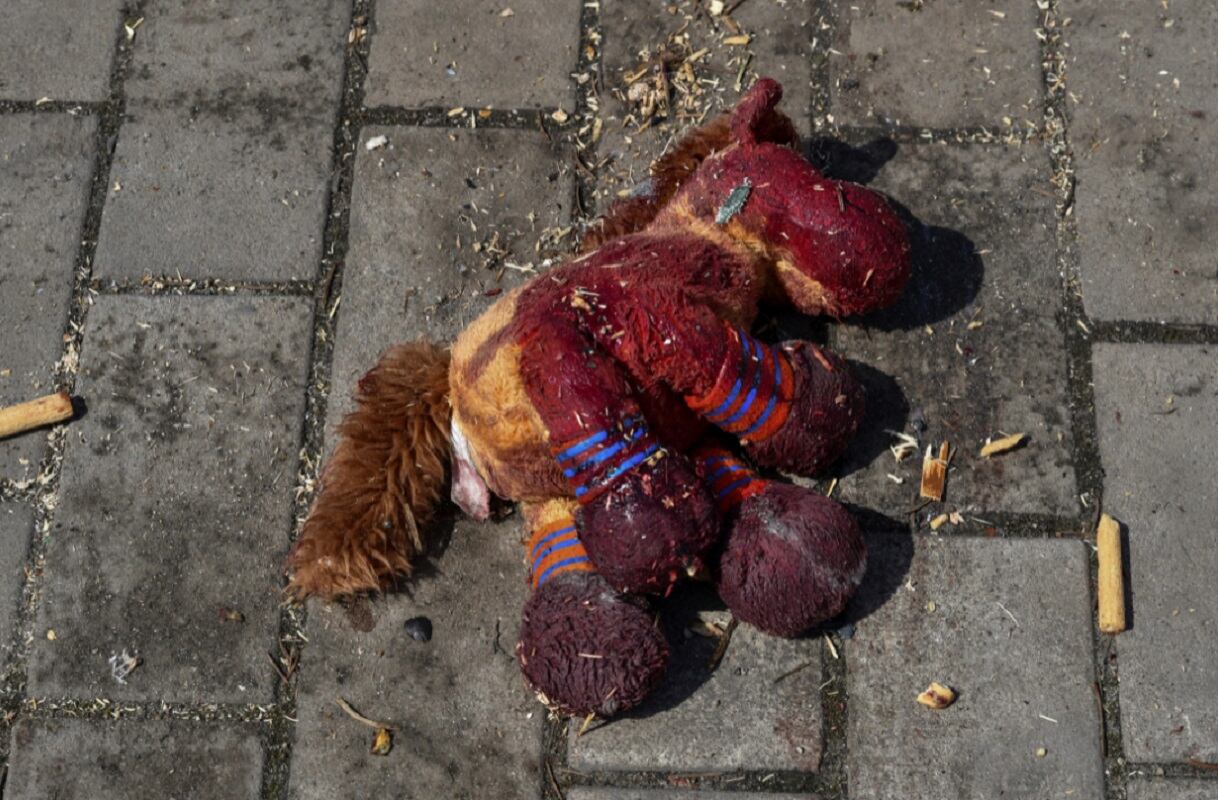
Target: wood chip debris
column 934, row 472
column 721, row 648
column 1111, row 580
column 937, row 696
column 382, row 742
column 360, row 718
column 905, row 447
column 995, row 446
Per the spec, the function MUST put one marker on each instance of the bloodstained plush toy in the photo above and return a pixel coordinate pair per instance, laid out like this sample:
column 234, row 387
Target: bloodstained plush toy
column 604, row 396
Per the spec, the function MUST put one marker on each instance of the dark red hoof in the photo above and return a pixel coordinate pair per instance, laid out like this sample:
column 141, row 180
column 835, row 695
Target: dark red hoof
column 585, row 649
column 825, row 412
column 792, row 561
column 651, row 527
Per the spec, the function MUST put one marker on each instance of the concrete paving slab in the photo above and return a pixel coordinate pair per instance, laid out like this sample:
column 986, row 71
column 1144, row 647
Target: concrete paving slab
column 738, row 717
column 467, row 726
column 175, row 501
column 1007, row 624
column 231, row 195
column 972, row 350
column 46, row 166
column 59, row 50
column 937, row 65
column 1156, row 407
column 471, row 53
column 240, row 53
column 223, row 166
column 1142, row 79
column 72, row 759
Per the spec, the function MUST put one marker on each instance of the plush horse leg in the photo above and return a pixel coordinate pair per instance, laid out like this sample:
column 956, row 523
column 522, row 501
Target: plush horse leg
column 792, row 557
column 793, row 406
column 584, row 648
column 642, row 512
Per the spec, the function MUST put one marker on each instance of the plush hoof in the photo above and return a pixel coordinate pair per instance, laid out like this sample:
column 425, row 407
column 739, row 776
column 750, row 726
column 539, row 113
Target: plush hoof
column 793, row 559
column 651, row 528
column 585, row 649
column 827, row 405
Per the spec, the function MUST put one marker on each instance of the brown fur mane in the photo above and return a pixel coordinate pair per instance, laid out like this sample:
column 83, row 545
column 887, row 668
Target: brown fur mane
column 671, row 170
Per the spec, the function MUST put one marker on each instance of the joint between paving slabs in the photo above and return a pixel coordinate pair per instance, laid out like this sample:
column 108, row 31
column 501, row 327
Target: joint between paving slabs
column 326, row 290
column 76, row 108
column 760, row 781
column 1081, row 394
column 178, row 286
column 1145, row 332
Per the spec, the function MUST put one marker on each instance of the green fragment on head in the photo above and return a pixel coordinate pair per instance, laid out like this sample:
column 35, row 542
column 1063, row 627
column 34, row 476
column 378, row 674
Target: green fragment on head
column 735, row 201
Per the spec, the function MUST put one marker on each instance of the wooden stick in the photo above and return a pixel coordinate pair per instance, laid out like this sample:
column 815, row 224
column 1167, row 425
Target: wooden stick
column 1111, row 581
column 35, row 413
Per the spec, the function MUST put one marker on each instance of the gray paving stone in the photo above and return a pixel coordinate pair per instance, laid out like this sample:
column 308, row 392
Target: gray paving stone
column 1144, row 88
column 1010, row 631
column 781, row 49
column 70, row 759
column 984, row 253
column 1172, row 789
column 224, row 163
column 16, row 525
column 1159, row 469
column 940, row 65
column 413, row 200
column 466, row 53
column 240, row 52
column 467, row 726
column 734, row 718
column 175, row 499
column 230, row 194
column 60, row 50
column 612, row 793
column 46, row 164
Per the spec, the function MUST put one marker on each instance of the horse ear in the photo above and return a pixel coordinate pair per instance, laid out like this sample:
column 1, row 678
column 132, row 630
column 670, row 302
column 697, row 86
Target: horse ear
column 757, row 118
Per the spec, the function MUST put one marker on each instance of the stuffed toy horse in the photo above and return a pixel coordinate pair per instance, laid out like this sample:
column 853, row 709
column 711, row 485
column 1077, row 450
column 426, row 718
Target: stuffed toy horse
column 613, row 396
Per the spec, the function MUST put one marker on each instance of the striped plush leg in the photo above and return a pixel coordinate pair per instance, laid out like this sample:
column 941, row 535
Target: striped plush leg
column 555, row 549
column 584, row 648
column 794, row 406
column 643, row 515
column 792, row 558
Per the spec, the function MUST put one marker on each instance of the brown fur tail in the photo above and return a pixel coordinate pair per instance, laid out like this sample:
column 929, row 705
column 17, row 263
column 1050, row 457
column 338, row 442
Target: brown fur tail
column 383, row 481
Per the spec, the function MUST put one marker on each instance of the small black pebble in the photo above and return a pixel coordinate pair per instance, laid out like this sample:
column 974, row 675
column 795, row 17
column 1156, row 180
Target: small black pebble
column 846, row 632
column 419, row 629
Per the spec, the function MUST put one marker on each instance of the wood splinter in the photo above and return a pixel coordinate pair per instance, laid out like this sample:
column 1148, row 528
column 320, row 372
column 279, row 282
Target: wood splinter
column 934, row 472
column 1111, row 579
column 35, row 414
